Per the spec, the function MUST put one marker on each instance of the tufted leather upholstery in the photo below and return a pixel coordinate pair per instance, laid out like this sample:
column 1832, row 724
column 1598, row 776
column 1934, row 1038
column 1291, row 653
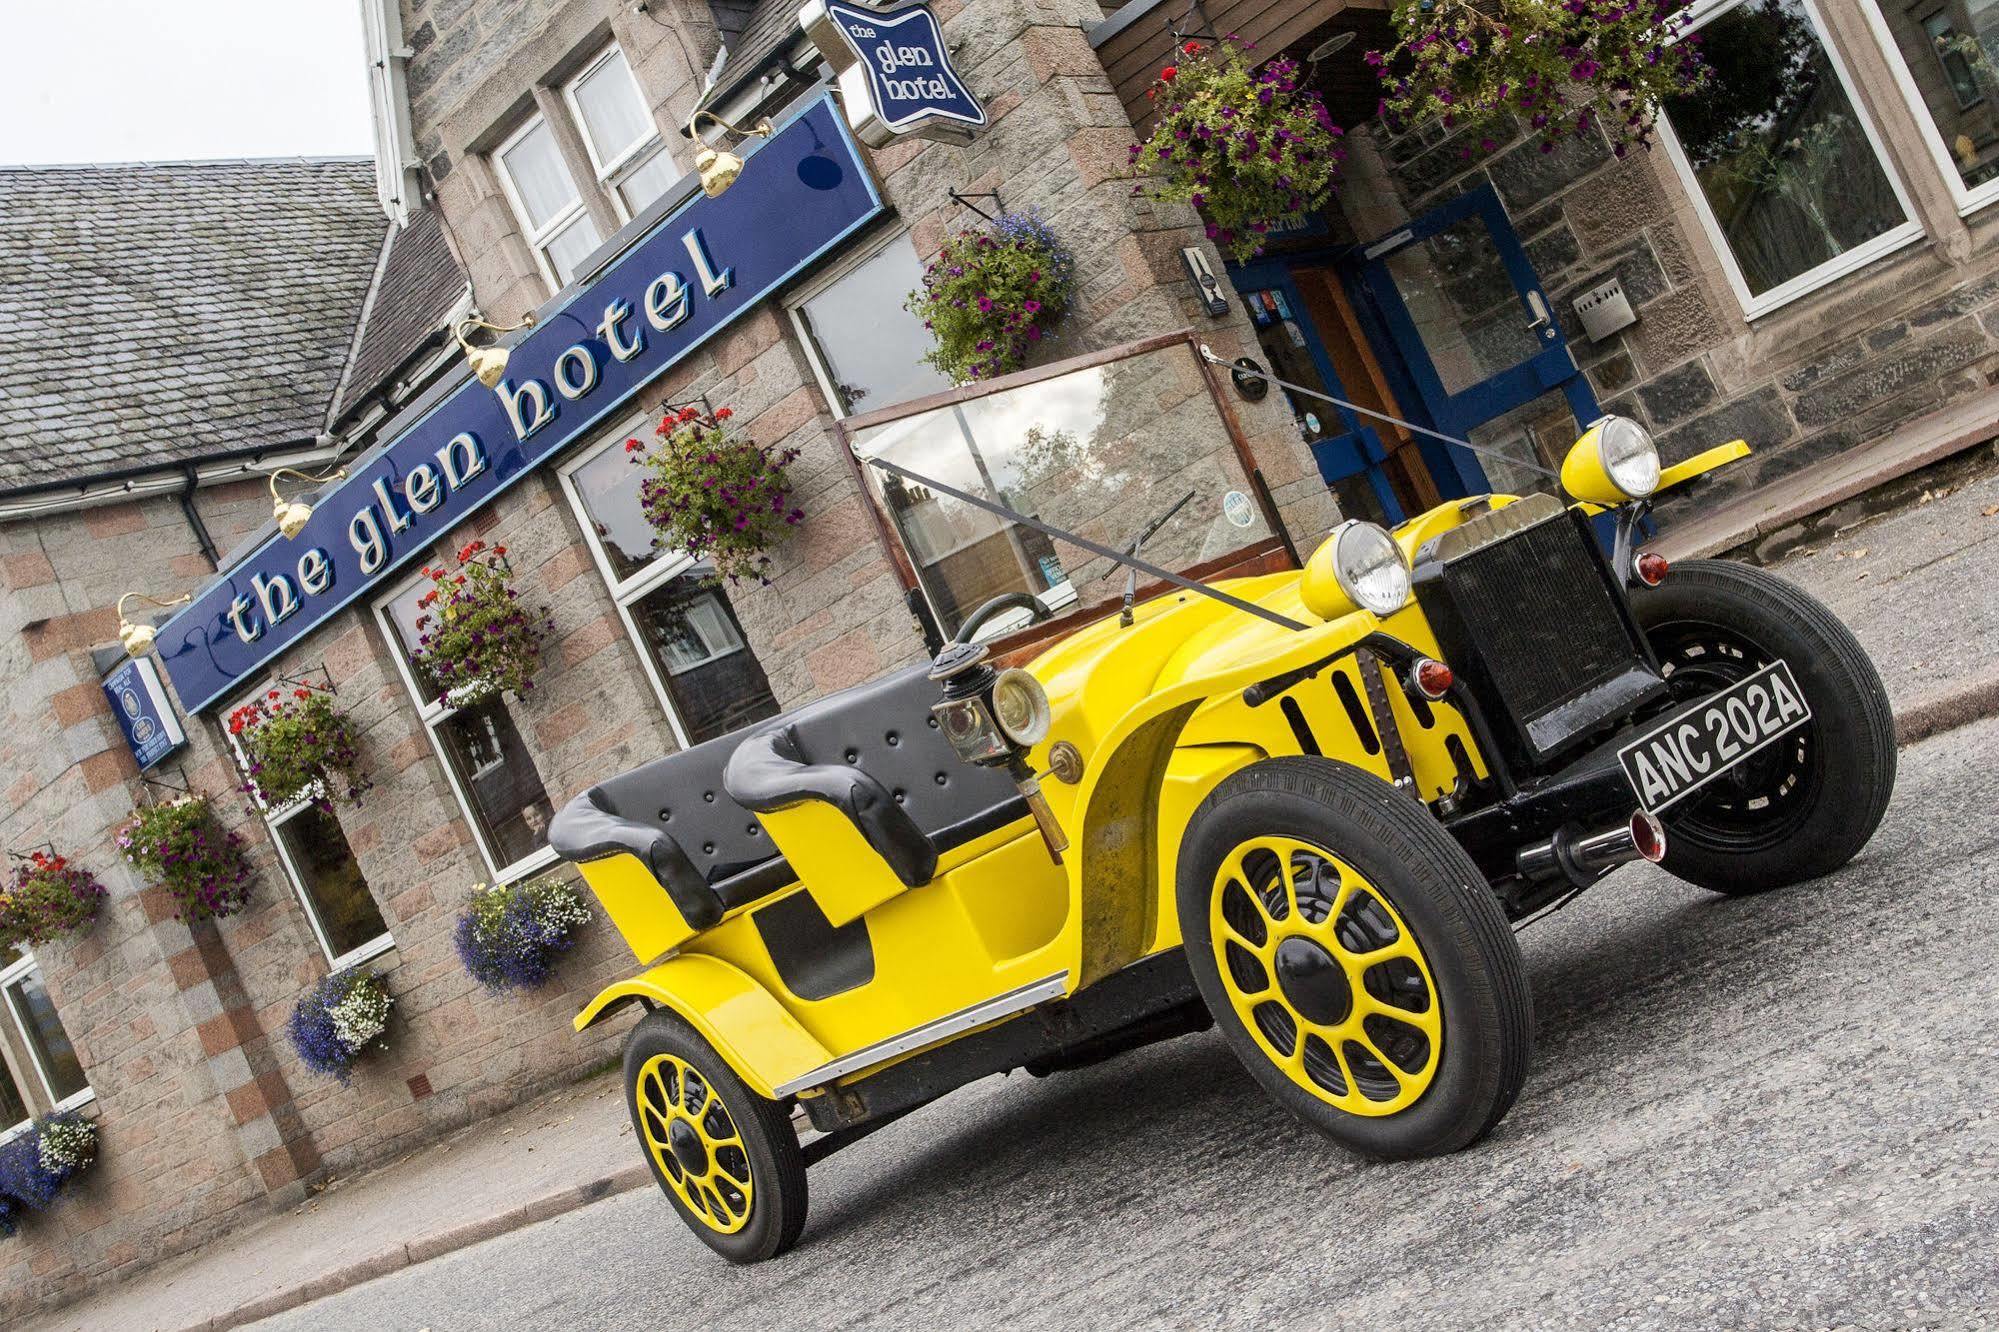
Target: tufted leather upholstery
column 679, row 816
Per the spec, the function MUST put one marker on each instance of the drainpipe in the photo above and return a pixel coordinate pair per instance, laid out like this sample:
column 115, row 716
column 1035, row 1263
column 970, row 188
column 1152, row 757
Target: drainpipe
column 194, row 522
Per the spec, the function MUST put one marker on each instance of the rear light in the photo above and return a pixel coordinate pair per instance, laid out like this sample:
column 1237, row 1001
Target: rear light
column 1651, row 569
column 1432, row 679
column 1648, row 837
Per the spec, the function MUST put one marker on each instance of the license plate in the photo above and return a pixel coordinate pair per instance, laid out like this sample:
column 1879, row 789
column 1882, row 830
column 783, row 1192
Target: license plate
column 1677, row 759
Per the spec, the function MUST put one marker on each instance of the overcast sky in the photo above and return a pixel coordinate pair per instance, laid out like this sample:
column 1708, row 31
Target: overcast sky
column 171, row 80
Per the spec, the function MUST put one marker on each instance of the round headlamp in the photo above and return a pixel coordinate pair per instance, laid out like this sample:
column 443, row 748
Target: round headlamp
column 1370, row 567
column 1614, row 461
column 1020, row 706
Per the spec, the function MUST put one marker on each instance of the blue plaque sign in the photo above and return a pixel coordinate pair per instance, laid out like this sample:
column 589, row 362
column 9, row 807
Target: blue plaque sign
column 700, row 268
column 144, row 712
column 895, row 72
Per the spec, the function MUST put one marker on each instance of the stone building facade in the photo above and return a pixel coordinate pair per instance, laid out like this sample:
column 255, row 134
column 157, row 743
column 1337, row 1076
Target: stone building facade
column 526, row 147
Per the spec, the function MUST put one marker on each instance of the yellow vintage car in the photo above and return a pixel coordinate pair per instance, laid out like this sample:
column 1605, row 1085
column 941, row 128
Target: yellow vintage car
column 1307, row 805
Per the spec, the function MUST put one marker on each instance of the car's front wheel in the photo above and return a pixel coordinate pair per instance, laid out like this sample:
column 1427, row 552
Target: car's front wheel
column 1807, row 803
column 1354, row 958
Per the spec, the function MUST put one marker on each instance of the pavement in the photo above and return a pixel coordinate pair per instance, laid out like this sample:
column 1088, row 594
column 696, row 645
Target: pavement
column 1768, row 1112
column 910, row 1224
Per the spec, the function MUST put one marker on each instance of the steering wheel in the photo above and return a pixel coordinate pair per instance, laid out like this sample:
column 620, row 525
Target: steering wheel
column 1005, row 601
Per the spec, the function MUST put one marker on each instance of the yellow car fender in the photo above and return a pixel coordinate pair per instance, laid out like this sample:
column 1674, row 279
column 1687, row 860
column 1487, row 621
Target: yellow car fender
column 1702, row 463
column 750, row 1030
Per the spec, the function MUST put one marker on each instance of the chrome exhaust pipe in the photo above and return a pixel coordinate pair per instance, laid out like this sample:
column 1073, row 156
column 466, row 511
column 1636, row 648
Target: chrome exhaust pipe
column 1584, row 858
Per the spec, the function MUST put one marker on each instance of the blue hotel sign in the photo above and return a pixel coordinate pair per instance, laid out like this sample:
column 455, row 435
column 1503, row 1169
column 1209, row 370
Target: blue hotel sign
column 895, row 71
column 144, row 713
column 702, row 267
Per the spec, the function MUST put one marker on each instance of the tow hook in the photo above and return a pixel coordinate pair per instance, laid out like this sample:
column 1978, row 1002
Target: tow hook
column 1583, row 858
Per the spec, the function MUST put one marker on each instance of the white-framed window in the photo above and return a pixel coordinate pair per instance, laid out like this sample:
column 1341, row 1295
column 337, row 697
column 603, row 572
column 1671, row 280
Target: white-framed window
column 485, row 759
column 625, row 147
column 312, row 848
column 1945, row 54
column 41, row 1033
column 545, row 199
column 678, row 615
column 1784, row 166
column 866, row 349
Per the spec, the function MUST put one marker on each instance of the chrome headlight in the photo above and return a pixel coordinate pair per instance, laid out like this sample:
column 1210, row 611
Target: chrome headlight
column 1630, row 458
column 1020, row 705
column 1370, row 567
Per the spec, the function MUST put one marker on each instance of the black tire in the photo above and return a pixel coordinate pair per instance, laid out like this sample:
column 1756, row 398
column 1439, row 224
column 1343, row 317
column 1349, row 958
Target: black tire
column 1480, row 982
column 777, row 1195
column 1806, row 805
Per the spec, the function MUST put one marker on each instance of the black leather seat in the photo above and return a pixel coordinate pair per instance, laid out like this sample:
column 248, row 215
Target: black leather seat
column 688, row 817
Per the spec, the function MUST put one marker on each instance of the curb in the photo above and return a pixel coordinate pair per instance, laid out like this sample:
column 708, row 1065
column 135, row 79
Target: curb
column 1922, row 720
column 426, row 1247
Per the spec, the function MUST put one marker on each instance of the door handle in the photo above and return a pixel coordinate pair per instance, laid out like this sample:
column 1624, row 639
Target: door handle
column 1539, row 305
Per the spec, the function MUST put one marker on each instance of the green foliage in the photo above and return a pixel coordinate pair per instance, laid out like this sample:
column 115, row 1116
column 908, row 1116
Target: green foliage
column 1558, row 66
column 992, row 294
column 474, row 637
column 180, row 847
column 1247, row 145
column 48, row 899
column 714, row 495
column 291, row 744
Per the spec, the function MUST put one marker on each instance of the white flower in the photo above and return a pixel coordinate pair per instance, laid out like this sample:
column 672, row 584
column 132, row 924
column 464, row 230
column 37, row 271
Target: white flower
column 68, row 1145
column 363, row 1015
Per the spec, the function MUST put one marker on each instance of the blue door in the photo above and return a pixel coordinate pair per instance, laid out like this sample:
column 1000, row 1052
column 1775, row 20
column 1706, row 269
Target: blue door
column 1463, row 314
column 1347, row 448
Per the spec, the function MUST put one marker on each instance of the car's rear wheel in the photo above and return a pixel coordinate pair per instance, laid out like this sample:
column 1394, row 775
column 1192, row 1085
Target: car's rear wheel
column 1354, row 958
column 1807, row 803
column 727, row 1159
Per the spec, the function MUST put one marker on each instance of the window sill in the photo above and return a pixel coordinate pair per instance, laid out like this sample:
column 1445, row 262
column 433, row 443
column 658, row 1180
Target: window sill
column 1834, row 270
column 367, row 952
column 521, row 869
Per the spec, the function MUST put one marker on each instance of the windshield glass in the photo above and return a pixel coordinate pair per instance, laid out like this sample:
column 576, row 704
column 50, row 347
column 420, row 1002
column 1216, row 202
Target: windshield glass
column 1101, row 451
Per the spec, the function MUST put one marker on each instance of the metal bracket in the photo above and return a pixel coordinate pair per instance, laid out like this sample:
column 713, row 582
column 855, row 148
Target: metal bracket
column 28, row 854
column 965, row 201
column 1175, row 24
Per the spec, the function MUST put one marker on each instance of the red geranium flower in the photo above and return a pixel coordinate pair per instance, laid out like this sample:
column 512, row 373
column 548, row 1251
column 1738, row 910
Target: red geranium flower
column 1169, row 73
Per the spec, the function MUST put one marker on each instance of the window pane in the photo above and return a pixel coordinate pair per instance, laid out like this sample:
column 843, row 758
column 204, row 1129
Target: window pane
column 569, row 247
column 871, row 347
column 640, row 187
column 534, row 164
column 44, row 1031
column 403, row 612
column 1465, row 306
column 711, row 675
column 13, row 1109
column 1950, row 54
column 1778, row 147
column 499, row 777
column 607, row 102
column 609, row 487
column 331, row 880
column 1099, row 452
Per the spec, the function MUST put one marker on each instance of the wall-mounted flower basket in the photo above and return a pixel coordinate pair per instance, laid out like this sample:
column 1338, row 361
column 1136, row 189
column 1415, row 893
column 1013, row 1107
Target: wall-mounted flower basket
column 1248, row 146
column 510, row 935
column 48, row 899
column 475, row 638
column 181, row 848
column 339, row 1020
column 715, row 495
column 37, row 1164
column 1557, row 67
column 992, row 295
column 299, row 744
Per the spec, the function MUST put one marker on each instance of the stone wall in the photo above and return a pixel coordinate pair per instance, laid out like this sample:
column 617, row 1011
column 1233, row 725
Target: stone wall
column 1912, row 332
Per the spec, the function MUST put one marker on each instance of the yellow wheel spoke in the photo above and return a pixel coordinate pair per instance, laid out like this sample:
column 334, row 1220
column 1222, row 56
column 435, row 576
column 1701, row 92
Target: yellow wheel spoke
column 1358, row 963
column 1425, row 1020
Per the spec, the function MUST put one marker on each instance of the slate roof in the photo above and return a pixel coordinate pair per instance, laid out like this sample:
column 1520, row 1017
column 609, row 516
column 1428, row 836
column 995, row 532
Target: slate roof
column 167, row 312
column 770, row 26
column 416, row 285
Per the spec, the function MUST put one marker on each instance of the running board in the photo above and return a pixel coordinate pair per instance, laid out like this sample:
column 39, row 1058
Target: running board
column 989, row 1010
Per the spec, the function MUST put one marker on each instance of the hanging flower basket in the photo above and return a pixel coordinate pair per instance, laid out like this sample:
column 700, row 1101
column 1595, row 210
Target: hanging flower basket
column 48, row 899
column 992, row 294
column 181, row 848
column 475, row 640
column 298, row 745
column 510, row 935
column 1248, row 146
column 339, row 1020
column 719, row 497
column 1557, row 67
column 38, row 1163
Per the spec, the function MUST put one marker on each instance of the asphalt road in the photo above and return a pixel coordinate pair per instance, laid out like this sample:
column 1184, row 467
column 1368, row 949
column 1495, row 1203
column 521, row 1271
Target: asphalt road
column 1771, row 1112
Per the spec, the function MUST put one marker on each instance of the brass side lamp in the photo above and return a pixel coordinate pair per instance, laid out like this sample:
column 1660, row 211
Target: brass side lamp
column 138, row 638
column 720, row 167
column 290, row 515
column 489, row 364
